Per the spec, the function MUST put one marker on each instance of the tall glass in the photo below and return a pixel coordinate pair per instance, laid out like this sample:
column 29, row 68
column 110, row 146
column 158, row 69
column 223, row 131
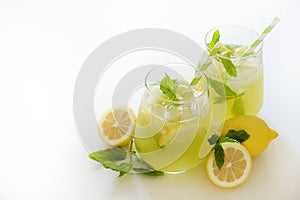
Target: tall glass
column 248, row 84
column 170, row 135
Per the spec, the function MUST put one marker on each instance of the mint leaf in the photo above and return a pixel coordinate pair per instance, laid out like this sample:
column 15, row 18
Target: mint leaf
column 231, row 48
column 154, row 173
column 195, row 81
column 205, row 65
column 226, row 139
column 168, row 87
column 144, row 167
column 113, row 154
column 240, row 135
column 123, row 162
column 214, row 51
column 110, row 159
column 219, row 155
column 218, row 86
column 229, row 92
column 122, row 168
column 231, row 136
column 148, row 172
column 221, row 88
column 117, row 159
column 213, row 139
column 229, row 66
column 238, row 107
column 215, row 39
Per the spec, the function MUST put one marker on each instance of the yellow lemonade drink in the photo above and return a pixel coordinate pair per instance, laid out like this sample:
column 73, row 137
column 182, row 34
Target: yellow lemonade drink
column 169, row 135
column 249, row 85
column 240, row 74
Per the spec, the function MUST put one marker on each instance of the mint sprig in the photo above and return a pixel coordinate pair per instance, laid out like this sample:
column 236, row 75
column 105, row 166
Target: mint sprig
column 215, row 39
column 240, row 136
column 117, row 159
column 223, row 90
column 231, row 136
column 195, row 81
column 219, row 155
column 224, row 51
column 168, row 87
column 228, row 65
column 227, row 93
column 109, row 158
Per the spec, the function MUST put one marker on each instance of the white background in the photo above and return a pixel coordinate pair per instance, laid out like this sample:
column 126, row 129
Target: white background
column 42, row 47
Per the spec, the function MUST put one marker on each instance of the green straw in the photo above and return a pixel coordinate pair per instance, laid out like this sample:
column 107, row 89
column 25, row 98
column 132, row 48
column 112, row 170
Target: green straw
column 261, row 37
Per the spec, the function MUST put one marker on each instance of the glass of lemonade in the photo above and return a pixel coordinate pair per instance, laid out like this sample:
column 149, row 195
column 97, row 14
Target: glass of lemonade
column 248, row 83
column 171, row 135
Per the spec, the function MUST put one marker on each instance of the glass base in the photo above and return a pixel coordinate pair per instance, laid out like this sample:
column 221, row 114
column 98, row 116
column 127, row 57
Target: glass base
column 174, row 173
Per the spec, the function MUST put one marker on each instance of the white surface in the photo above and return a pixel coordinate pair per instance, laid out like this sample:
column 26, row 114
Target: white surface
column 42, row 46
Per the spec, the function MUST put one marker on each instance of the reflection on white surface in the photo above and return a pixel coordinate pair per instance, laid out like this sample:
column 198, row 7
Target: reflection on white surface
column 270, row 170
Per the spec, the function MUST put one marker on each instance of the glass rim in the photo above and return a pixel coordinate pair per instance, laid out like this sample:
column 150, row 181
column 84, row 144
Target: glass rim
column 260, row 46
column 181, row 102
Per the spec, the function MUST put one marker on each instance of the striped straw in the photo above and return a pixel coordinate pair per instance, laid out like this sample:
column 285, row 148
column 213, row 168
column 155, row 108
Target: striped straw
column 261, row 37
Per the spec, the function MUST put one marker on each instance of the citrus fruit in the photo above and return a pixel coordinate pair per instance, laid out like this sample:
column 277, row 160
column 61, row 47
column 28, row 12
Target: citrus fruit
column 260, row 133
column 167, row 134
column 236, row 168
column 240, row 51
column 144, row 118
column 116, row 126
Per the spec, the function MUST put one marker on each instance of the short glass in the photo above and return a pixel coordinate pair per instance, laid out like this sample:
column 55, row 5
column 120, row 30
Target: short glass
column 171, row 136
column 248, row 85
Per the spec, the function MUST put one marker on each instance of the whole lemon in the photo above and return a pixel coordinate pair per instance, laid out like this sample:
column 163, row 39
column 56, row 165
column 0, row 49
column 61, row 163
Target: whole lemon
column 260, row 133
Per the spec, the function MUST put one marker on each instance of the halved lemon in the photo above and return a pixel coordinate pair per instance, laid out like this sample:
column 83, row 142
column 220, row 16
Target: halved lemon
column 116, row 126
column 236, row 168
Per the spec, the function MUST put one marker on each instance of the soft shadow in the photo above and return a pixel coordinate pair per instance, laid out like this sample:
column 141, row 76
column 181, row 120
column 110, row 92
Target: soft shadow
column 125, row 188
column 179, row 186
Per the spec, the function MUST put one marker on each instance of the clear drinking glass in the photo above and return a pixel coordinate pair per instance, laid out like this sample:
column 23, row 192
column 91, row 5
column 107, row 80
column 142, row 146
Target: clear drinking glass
column 171, row 135
column 248, row 84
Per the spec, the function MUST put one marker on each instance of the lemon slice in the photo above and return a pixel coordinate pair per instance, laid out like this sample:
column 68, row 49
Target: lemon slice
column 240, row 51
column 167, row 134
column 236, row 168
column 144, row 119
column 116, row 126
